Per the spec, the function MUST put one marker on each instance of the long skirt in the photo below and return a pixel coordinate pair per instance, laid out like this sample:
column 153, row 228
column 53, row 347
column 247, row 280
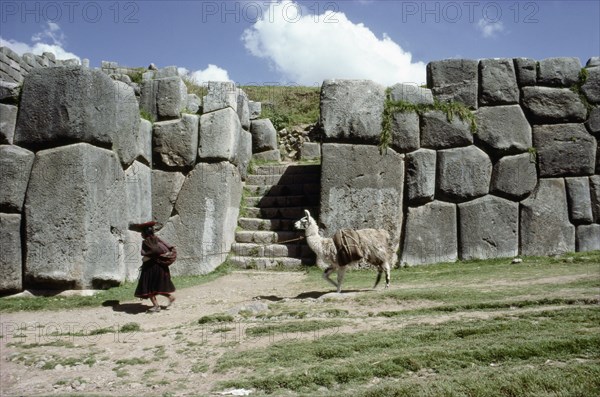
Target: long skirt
column 154, row 279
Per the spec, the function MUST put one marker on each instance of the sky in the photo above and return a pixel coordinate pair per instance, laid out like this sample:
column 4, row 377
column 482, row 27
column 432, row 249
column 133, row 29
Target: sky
column 300, row 42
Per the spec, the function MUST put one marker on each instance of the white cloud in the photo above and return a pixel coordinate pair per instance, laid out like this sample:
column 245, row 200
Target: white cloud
column 51, row 39
column 211, row 73
column 489, row 29
column 307, row 49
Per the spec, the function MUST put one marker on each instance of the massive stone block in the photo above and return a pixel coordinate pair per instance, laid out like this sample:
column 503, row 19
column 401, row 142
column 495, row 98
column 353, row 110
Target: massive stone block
column 564, row 150
column 243, row 110
column 561, row 72
column 255, row 109
column 352, row 110
column 593, row 122
column 76, row 104
column 193, row 103
column 503, row 129
column 438, row 133
column 176, row 141
column 138, row 189
column 454, row 80
column 144, row 141
column 9, row 92
column 595, row 196
column 526, row 71
column 514, row 177
column 148, row 92
column 578, row 196
column 165, row 189
column 244, row 153
column 171, row 97
column 360, row 188
column 463, row 173
column 219, row 135
column 420, row 176
column 588, row 238
column 489, row 228
column 591, row 87
column 15, row 167
column 553, row 105
column 75, row 216
column 203, row 228
column 411, row 93
column 431, row 234
column 498, row 84
column 405, row 131
column 10, row 257
column 544, row 220
column 221, row 94
column 264, row 135
column 8, row 122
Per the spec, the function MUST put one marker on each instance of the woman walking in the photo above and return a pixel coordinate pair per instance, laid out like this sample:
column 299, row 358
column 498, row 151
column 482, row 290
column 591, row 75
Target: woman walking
column 155, row 277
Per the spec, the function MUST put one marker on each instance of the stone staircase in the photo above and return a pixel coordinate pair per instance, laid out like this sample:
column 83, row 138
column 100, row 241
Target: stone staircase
column 275, row 197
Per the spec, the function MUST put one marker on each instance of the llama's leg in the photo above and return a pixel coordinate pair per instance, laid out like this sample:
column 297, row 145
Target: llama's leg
column 340, row 277
column 378, row 279
column 326, row 275
column 386, row 267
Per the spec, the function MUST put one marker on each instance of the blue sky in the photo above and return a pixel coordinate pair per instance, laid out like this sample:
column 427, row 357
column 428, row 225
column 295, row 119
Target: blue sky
column 302, row 42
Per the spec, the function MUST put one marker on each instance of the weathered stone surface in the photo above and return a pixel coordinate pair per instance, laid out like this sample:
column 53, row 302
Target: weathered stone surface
column 165, row 189
column 193, row 103
column 578, row 197
column 138, row 189
column 264, row 135
column 15, row 167
column 546, row 104
column 564, row 150
column 503, row 129
column 411, row 93
column 438, row 133
column 204, row 227
column 588, row 238
column 420, row 176
column 219, row 135
column 526, row 71
column 244, row 153
column 144, row 141
column 75, row 104
column 454, row 80
column 489, row 228
column 10, row 259
column 405, row 131
column 561, row 72
column 9, row 92
column 269, row 155
column 360, row 188
column 463, row 173
column 131, row 259
column 591, row 87
column 595, row 196
column 498, row 82
column 220, row 95
column 255, row 109
column 431, row 234
column 352, row 110
column 75, row 216
column 8, row 121
column 544, row 220
column 593, row 61
column 176, row 141
column 148, row 92
column 128, row 144
column 243, row 110
column 514, row 177
column 171, row 97
column 310, row 151
column 593, row 121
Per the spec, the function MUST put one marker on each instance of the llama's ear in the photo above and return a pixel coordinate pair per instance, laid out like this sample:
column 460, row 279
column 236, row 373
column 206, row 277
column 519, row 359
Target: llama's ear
column 307, row 213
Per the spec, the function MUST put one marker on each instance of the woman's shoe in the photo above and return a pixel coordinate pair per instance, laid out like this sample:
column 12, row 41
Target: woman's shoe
column 154, row 309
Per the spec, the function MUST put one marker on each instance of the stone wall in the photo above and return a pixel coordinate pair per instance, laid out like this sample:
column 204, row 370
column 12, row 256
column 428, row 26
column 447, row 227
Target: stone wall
column 526, row 182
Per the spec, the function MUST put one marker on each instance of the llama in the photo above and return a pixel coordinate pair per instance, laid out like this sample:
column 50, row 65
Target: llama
column 373, row 245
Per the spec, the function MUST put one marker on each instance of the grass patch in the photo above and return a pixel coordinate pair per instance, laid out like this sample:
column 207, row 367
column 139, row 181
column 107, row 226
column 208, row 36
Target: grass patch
column 216, row 318
column 293, row 327
column 130, row 327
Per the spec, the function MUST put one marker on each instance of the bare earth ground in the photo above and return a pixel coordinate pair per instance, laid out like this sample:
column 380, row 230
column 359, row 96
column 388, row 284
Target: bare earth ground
column 59, row 353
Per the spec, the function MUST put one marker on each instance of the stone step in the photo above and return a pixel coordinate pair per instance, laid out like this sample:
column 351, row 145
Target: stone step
column 281, row 201
column 280, row 169
column 283, row 190
column 268, row 237
column 294, row 213
column 272, row 250
column 246, row 262
column 263, row 180
column 267, row 224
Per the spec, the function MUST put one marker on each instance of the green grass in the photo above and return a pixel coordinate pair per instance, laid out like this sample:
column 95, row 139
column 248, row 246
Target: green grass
column 292, row 327
column 216, row 318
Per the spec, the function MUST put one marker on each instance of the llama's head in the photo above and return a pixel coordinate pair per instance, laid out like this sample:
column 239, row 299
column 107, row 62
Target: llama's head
column 305, row 222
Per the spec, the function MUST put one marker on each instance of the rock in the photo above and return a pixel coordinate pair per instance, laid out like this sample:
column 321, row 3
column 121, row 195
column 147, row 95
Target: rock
column 420, row 176
column 131, row 260
column 264, row 135
column 352, row 109
column 219, row 135
column 165, row 189
column 8, row 121
column 269, row 155
column 171, row 97
column 411, row 93
column 193, row 103
column 516, row 260
column 244, row 153
column 9, row 92
column 144, row 141
column 593, row 122
column 514, row 177
column 593, row 61
column 564, row 150
column 503, row 129
column 526, row 71
column 438, row 133
column 166, row 72
column 431, row 234
column 463, row 173
column 544, row 220
column 578, row 196
column 553, row 105
column 454, row 80
column 148, row 93
column 591, row 87
column 138, row 188
column 588, row 238
column 595, row 196
column 559, row 72
column 310, row 151
column 176, row 141
column 489, row 228
column 15, row 167
column 220, row 95
column 75, row 104
column 10, row 260
column 75, row 216
column 243, row 109
column 498, row 82
column 405, row 131
column 360, row 188
column 255, row 109
column 207, row 208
